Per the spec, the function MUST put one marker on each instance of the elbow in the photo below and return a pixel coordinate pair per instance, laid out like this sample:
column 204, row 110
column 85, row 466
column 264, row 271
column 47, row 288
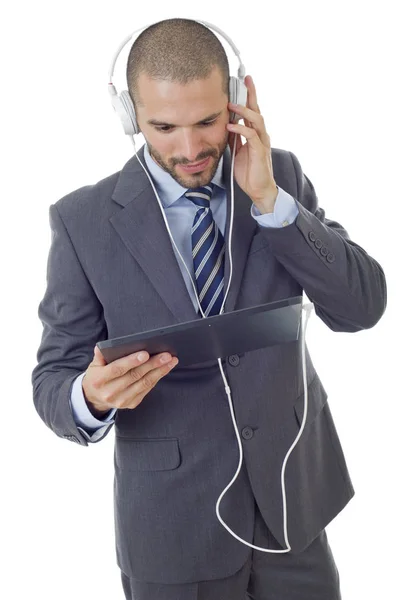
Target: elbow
column 360, row 315
column 373, row 315
column 374, row 304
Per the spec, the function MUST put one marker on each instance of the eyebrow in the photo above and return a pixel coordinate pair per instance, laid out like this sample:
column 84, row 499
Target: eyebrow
column 163, row 123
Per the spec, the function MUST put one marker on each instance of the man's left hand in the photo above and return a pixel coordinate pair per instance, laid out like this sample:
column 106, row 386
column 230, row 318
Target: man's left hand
column 253, row 163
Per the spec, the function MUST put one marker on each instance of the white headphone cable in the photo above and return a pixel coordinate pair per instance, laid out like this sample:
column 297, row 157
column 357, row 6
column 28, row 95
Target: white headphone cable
column 307, row 308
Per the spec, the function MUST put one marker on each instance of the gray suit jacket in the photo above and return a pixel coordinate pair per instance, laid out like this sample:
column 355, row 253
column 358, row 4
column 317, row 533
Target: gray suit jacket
column 109, row 275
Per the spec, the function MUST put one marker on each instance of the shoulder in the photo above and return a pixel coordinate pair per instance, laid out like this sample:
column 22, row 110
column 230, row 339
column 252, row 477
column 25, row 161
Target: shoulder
column 287, row 170
column 87, row 200
column 285, row 159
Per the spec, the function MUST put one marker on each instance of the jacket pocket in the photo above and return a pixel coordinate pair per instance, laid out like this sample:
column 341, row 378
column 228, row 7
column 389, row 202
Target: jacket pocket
column 317, row 398
column 132, row 454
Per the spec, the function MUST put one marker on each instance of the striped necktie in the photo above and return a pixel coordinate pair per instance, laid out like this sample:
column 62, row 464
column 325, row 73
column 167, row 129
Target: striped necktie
column 208, row 251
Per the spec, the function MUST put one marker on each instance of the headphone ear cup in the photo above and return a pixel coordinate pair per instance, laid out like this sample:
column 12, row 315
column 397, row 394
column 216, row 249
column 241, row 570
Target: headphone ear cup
column 129, row 115
column 237, row 95
column 124, row 112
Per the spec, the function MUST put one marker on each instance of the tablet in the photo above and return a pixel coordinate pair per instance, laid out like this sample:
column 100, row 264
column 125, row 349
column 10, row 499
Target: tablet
column 217, row 336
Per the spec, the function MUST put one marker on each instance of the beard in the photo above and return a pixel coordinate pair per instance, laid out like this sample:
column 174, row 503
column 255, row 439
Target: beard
column 189, row 180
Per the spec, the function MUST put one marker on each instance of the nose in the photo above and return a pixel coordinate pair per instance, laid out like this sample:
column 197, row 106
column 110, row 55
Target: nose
column 191, row 146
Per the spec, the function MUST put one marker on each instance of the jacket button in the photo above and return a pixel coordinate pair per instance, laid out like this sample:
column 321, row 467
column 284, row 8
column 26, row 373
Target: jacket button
column 324, row 250
column 247, row 433
column 234, row 360
column 318, row 244
column 330, row 258
column 312, row 236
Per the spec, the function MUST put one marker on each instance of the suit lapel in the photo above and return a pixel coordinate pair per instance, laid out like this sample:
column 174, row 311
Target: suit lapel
column 143, row 231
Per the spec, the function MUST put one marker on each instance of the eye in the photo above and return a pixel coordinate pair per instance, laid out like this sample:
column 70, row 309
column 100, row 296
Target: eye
column 168, row 128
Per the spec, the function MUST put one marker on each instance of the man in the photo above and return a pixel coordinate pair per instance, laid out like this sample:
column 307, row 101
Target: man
column 113, row 270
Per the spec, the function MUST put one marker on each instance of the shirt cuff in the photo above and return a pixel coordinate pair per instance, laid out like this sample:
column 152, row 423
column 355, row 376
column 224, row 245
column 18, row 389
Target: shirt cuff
column 285, row 211
column 80, row 411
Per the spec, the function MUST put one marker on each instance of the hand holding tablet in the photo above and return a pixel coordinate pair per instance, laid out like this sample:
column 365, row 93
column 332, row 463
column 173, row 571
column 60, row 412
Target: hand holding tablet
column 125, row 382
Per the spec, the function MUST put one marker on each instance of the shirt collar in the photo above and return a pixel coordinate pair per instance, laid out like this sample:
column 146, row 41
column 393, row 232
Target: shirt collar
column 169, row 189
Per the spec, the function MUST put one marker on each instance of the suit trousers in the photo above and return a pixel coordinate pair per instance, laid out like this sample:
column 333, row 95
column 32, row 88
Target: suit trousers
column 308, row 575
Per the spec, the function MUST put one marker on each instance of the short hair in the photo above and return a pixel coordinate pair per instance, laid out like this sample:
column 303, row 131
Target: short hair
column 177, row 50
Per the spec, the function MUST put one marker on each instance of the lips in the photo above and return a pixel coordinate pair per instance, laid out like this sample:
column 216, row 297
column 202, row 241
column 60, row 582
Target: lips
column 197, row 164
column 202, row 164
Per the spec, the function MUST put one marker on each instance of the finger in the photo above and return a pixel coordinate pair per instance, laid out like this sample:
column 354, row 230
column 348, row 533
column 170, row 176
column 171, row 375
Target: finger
column 133, row 394
column 156, row 363
column 120, row 366
column 113, row 388
column 239, row 142
column 251, row 94
column 250, row 134
column 248, row 114
column 249, row 99
column 254, row 121
column 98, row 359
column 237, row 114
column 149, row 379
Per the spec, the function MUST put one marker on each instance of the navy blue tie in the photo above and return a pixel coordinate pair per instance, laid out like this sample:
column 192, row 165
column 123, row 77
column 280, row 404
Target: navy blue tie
column 208, row 251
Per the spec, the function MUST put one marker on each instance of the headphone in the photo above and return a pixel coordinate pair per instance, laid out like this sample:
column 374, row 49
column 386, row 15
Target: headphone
column 123, row 106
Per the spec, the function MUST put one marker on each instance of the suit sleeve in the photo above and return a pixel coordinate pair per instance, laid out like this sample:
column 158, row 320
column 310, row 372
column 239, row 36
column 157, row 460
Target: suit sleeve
column 73, row 322
column 346, row 285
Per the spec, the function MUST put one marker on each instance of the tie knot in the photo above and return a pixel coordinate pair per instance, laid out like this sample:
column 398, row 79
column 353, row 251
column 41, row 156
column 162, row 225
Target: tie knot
column 200, row 195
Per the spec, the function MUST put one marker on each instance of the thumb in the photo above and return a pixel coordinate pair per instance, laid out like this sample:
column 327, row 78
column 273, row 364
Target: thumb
column 98, row 358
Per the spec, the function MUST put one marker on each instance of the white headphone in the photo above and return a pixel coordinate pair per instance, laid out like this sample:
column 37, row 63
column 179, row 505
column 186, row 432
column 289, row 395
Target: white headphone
column 123, row 104
column 125, row 110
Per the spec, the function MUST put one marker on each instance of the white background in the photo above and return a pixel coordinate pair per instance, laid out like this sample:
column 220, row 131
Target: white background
column 327, row 80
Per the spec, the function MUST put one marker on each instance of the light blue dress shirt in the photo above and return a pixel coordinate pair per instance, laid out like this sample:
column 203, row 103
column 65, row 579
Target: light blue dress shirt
column 180, row 213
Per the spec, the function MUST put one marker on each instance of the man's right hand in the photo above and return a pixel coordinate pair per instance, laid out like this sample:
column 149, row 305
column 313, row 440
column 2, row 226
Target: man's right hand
column 124, row 382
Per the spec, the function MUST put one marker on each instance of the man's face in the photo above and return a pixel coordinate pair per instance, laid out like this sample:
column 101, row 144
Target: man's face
column 179, row 137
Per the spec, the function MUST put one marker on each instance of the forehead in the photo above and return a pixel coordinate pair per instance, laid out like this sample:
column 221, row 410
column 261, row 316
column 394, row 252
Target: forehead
column 174, row 102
